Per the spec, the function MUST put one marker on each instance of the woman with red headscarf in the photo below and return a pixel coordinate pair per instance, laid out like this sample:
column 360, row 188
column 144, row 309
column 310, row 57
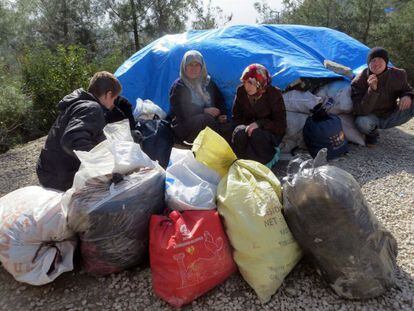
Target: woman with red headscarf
column 260, row 116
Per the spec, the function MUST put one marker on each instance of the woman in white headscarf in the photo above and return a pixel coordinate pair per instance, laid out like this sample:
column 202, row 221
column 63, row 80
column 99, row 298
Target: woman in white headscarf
column 196, row 102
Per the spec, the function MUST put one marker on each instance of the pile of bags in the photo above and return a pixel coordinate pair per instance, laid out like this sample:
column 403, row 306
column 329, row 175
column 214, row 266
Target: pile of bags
column 206, row 216
column 335, row 98
column 249, row 200
column 114, row 193
column 191, row 251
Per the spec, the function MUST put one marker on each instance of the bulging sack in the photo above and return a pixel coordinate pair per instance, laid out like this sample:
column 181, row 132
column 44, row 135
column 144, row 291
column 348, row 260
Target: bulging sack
column 323, row 130
column 190, row 185
column 350, row 130
column 293, row 137
column 36, row 246
column 117, row 154
column 300, row 102
column 340, row 92
column 189, row 254
column 111, row 214
column 329, row 217
column 213, row 151
column 249, row 199
column 146, row 110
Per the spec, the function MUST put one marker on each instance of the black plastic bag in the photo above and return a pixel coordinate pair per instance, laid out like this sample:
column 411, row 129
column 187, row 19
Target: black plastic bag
column 329, row 217
column 111, row 214
column 156, row 139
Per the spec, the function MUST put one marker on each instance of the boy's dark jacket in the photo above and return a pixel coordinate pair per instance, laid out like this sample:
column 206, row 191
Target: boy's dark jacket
column 79, row 126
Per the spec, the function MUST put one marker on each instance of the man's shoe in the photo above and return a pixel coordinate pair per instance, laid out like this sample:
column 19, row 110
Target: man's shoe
column 371, row 140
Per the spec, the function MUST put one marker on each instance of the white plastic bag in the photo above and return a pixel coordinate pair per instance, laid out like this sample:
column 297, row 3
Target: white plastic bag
column 293, row 137
column 117, row 154
column 146, row 109
column 190, row 185
column 340, row 92
column 36, row 246
column 350, row 130
column 298, row 101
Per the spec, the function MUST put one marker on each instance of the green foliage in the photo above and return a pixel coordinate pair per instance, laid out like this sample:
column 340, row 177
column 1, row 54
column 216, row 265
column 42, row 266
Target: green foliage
column 110, row 62
column 209, row 17
column 49, row 76
column 267, row 14
column 141, row 21
column 14, row 109
column 396, row 35
column 357, row 18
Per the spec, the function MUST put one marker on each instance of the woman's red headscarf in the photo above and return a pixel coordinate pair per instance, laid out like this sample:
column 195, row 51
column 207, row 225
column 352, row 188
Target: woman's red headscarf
column 258, row 75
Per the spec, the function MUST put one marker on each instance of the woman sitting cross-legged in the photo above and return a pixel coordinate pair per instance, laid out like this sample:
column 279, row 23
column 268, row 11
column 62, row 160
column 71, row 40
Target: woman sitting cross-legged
column 196, row 102
column 260, row 116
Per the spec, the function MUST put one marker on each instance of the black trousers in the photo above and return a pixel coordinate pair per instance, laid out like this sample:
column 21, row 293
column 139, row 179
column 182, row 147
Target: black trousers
column 260, row 146
column 189, row 129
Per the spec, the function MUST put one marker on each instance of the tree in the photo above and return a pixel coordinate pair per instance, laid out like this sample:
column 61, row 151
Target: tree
column 128, row 18
column 395, row 34
column 267, row 14
column 145, row 20
column 168, row 16
column 68, row 22
column 210, row 17
column 358, row 18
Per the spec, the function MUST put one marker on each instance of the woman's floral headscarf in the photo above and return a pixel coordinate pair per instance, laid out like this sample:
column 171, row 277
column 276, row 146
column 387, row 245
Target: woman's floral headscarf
column 258, row 75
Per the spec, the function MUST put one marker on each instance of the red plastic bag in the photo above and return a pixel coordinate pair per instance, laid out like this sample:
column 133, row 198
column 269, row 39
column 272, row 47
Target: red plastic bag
column 189, row 253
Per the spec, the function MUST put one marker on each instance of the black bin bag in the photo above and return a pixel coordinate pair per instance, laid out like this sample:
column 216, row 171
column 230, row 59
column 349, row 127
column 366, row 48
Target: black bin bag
column 330, row 219
column 111, row 213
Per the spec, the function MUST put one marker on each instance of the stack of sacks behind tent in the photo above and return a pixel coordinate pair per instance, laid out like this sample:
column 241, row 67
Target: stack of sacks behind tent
column 249, row 200
column 114, row 194
column 298, row 105
column 189, row 250
column 329, row 217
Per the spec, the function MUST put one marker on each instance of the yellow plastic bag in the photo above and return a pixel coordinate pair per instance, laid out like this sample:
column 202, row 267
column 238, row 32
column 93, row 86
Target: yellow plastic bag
column 213, row 151
column 249, row 199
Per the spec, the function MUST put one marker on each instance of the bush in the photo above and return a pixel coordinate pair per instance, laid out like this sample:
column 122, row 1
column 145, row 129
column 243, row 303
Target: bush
column 50, row 75
column 14, row 110
column 110, row 62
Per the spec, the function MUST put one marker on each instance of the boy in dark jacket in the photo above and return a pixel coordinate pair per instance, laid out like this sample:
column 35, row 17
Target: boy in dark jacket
column 79, row 126
column 381, row 96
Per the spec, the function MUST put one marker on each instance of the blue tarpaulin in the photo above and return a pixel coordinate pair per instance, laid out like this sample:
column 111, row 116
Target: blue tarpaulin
column 288, row 51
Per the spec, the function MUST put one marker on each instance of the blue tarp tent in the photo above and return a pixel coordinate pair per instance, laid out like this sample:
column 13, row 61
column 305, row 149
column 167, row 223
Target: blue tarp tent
column 288, row 51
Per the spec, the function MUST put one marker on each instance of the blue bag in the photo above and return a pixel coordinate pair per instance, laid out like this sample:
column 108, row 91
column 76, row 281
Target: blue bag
column 156, row 139
column 323, row 130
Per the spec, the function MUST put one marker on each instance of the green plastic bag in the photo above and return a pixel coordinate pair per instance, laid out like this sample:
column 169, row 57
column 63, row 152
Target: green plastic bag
column 249, row 199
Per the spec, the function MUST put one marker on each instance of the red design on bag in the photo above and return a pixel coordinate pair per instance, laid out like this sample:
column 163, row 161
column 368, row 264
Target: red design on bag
column 190, row 254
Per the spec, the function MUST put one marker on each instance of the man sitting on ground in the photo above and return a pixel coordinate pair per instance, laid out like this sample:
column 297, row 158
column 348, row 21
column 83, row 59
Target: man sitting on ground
column 79, row 126
column 381, row 96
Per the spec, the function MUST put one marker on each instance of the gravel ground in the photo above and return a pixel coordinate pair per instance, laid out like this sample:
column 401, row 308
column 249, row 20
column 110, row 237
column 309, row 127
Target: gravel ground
column 386, row 174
